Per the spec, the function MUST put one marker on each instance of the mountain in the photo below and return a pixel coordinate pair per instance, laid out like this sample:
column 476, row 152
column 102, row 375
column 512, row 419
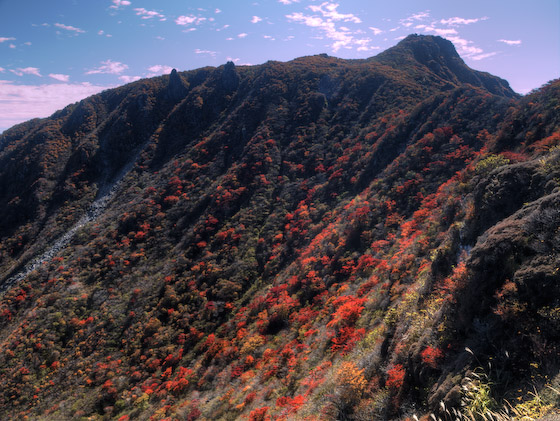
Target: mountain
column 316, row 239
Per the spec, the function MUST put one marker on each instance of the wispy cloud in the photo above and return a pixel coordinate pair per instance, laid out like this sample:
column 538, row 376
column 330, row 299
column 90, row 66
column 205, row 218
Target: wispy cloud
column 119, row 3
column 210, row 53
column 2, row 70
column 442, row 32
column 256, row 19
column 326, row 19
column 242, row 35
column 159, row 69
column 409, row 21
column 288, row 1
column 109, row 67
column 4, row 39
column 328, row 10
column 27, row 71
column 129, row 79
column 70, row 28
column 189, row 20
column 59, row 77
column 482, row 56
column 376, row 31
column 455, row 21
column 19, row 103
column 467, row 48
column 510, row 42
column 271, row 38
column 217, row 11
column 148, row 14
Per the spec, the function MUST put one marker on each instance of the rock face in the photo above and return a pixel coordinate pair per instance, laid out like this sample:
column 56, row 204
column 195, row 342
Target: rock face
column 176, row 88
column 230, row 78
column 358, row 239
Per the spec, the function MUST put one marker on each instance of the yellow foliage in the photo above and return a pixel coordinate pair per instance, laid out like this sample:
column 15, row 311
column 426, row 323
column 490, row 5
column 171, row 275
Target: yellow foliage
column 252, row 343
column 351, row 378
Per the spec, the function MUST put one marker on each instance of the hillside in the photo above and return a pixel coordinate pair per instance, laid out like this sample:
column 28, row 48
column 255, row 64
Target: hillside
column 317, row 239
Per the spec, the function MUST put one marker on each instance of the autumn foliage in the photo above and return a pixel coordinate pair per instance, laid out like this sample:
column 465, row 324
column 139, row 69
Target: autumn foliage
column 317, row 239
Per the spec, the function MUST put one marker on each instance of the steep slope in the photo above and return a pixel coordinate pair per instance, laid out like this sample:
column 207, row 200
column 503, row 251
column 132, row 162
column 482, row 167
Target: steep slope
column 316, row 239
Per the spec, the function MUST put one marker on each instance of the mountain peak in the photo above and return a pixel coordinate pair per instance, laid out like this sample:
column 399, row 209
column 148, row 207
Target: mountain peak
column 439, row 56
column 429, row 43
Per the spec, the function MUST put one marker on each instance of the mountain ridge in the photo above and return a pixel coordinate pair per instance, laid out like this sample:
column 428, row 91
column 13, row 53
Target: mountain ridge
column 315, row 239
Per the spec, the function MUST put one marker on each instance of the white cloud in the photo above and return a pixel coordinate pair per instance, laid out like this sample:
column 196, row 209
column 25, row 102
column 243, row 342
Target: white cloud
column 159, row 69
column 409, row 21
column 148, row 14
column 222, row 28
column 118, row 3
column 256, row 19
column 4, row 39
column 2, row 70
column 440, row 31
column 27, row 71
column 189, row 20
column 288, row 1
column 313, row 21
column 12, row 46
column 211, row 53
column 19, row 103
column 58, row 76
column 69, row 28
column 229, row 39
column 466, row 49
column 217, row 11
column 109, row 67
column 363, row 45
column 27, row 43
column 342, row 36
column 376, row 31
column 482, row 56
column 510, row 42
column 159, row 37
column 328, row 10
column 461, row 21
column 242, row 35
column 129, row 79
column 269, row 37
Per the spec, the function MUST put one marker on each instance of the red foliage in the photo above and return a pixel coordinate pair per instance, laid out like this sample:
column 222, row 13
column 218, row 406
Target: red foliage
column 345, row 339
column 348, row 310
column 395, row 377
column 430, row 356
column 259, row 414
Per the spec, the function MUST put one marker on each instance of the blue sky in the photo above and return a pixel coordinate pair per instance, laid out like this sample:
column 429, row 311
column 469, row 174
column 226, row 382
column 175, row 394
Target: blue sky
column 53, row 53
